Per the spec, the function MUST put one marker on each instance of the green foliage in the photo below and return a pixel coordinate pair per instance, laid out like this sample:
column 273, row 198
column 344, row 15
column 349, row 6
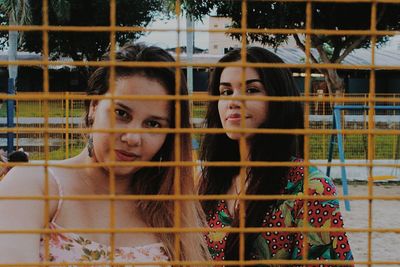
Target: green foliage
column 16, row 10
column 197, row 8
column 292, row 15
column 324, row 15
column 87, row 45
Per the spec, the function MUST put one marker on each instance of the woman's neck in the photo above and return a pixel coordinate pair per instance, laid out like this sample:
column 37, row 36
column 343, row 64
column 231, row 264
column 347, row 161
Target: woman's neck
column 97, row 179
column 238, row 186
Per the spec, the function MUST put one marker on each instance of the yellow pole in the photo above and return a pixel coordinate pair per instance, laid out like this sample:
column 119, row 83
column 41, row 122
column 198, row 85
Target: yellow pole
column 324, row 139
column 16, row 120
column 394, row 137
column 67, row 125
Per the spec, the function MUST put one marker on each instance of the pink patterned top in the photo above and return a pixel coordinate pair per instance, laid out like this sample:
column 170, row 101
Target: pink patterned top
column 70, row 247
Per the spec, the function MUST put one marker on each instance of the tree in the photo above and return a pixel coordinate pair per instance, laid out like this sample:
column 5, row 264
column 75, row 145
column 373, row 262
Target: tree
column 196, row 8
column 332, row 16
column 17, row 12
column 189, row 9
column 88, row 45
column 77, row 45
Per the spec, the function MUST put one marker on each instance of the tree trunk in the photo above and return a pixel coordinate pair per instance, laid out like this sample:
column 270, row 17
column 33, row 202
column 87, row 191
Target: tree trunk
column 334, row 82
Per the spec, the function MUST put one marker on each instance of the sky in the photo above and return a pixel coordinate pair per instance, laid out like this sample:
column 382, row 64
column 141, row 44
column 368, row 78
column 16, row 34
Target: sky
column 169, row 39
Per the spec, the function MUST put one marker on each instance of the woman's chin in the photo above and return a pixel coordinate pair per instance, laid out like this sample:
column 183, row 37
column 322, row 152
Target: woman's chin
column 124, row 171
column 236, row 136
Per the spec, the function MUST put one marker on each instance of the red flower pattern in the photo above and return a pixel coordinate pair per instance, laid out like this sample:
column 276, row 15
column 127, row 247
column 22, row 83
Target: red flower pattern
column 290, row 213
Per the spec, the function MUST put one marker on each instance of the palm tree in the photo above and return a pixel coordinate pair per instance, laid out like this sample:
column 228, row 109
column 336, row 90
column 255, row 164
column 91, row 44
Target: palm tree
column 18, row 13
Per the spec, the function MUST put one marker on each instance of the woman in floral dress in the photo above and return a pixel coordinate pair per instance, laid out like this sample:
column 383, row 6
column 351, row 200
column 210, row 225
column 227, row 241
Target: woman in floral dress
column 105, row 177
column 232, row 114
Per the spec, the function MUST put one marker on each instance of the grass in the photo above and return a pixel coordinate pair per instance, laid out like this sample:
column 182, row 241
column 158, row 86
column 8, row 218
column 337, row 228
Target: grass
column 355, row 146
column 199, row 111
column 56, row 108
column 59, row 153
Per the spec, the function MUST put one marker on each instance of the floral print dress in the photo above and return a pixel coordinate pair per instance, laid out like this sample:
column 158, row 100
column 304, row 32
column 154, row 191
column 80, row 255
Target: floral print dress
column 290, row 213
column 70, row 247
column 73, row 248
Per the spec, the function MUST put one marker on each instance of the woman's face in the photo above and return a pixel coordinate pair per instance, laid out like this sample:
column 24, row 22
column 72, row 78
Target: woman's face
column 130, row 114
column 230, row 111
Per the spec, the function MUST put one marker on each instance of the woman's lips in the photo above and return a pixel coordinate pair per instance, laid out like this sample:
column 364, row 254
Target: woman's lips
column 125, row 156
column 235, row 117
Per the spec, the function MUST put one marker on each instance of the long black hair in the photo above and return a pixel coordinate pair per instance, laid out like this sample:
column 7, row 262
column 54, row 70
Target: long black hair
column 268, row 148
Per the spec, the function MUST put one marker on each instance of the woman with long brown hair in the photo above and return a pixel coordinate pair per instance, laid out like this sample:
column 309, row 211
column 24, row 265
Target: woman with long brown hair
column 114, row 111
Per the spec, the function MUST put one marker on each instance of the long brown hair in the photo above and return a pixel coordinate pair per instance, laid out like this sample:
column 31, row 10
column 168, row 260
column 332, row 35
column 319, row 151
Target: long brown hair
column 160, row 180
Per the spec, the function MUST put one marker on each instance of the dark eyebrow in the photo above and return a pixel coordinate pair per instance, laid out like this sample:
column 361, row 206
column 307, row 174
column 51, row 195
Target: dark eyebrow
column 157, row 118
column 254, row 81
column 247, row 82
column 226, row 84
column 124, row 106
column 151, row 117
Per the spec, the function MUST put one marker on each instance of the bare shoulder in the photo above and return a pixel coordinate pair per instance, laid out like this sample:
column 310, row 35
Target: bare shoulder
column 20, row 180
column 26, row 180
column 21, row 213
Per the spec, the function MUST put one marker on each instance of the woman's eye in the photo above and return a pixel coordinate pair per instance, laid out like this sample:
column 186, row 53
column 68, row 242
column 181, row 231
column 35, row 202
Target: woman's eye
column 225, row 92
column 122, row 114
column 153, row 124
column 252, row 90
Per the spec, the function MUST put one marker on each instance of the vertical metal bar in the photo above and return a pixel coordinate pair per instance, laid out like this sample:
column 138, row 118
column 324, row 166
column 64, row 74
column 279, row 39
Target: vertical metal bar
column 331, row 145
column 242, row 142
column 112, row 79
column 66, row 125
column 306, row 186
column 16, row 115
column 45, row 36
column 337, row 113
column 189, row 51
column 371, row 125
column 10, row 116
column 177, row 141
column 394, row 136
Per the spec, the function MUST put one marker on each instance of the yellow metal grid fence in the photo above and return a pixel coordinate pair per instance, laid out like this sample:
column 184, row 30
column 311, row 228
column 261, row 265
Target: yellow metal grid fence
column 64, row 125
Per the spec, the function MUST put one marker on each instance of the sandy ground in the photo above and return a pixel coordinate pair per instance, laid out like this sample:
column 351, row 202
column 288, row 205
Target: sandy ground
column 385, row 214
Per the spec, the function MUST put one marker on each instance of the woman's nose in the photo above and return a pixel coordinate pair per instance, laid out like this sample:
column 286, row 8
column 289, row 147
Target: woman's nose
column 235, row 103
column 132, row 139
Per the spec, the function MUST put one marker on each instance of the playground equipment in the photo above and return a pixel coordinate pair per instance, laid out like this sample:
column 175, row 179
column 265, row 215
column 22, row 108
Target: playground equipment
column 338, row 139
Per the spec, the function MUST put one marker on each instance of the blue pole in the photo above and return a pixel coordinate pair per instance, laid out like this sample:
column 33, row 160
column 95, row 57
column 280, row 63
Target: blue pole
column 337, row 125
column 330, row 149
column 10, row 116
column 341, row 156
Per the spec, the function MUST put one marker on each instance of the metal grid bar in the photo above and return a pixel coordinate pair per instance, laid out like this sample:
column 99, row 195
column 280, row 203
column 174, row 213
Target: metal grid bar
column 112, row 197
